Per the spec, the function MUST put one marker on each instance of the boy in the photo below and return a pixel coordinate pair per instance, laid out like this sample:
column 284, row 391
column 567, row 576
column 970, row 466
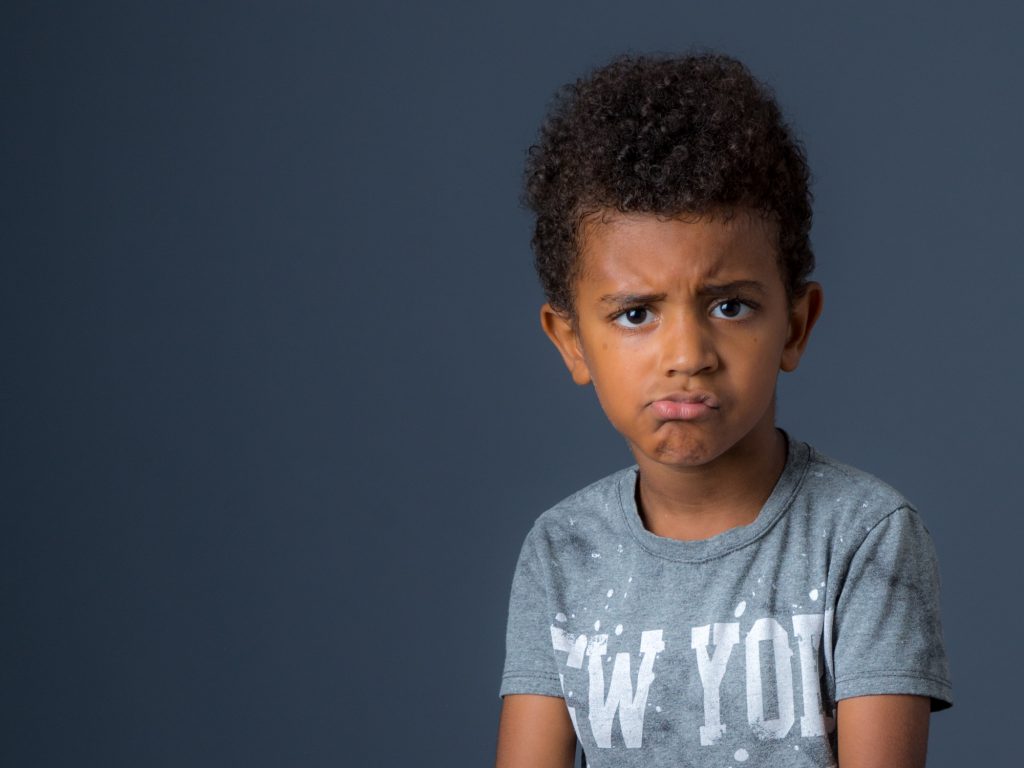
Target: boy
column 734, row 598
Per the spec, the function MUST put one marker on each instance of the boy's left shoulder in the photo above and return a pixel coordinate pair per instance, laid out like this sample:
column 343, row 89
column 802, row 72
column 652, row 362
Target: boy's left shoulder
column 849, row 495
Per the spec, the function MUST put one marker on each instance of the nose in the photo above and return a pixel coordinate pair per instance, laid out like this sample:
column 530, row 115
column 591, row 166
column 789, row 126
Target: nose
column 688, row 348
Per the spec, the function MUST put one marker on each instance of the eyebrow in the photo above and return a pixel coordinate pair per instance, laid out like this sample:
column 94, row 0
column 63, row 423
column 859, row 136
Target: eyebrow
column 714, row 289
column 708, row 289
column 619, row 299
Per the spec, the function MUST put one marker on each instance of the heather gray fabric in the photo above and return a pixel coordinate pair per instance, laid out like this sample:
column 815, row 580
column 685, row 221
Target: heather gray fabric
column 733, row 650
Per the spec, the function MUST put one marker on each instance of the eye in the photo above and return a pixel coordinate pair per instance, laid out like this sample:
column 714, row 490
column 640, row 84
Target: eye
column 731, row 309
column 635, row 317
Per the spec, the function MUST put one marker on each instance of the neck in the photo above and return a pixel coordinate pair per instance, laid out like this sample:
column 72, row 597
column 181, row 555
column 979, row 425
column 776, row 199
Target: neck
column 692, row 503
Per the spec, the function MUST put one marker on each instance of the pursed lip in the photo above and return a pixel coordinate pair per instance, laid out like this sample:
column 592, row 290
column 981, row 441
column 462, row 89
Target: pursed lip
column 684, row 406
column 703, row 398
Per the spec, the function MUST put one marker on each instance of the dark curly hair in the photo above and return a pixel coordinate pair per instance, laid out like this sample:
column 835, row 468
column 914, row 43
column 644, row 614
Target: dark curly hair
column 695, row 134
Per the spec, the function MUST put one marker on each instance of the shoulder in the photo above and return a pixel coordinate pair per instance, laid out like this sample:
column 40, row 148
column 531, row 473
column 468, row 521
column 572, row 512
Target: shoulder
column 847, row 497
column 599, row 498
column 587, row 516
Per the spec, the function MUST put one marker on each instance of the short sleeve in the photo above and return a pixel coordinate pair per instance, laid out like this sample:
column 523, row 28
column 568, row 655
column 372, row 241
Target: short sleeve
column 887, row 632
column 529, row 659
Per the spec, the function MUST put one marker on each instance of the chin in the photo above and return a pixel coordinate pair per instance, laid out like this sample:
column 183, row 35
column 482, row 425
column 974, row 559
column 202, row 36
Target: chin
column 671, row 451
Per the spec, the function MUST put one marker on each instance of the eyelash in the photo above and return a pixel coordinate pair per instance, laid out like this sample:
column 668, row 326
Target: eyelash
column 616, row 317
column 749, row 305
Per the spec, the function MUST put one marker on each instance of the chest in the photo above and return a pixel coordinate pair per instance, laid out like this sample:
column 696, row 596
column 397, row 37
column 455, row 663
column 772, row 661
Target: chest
column 724, row 658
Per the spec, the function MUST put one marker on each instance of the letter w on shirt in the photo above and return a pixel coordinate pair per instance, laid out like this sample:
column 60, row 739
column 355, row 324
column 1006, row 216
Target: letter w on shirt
column 621, row 697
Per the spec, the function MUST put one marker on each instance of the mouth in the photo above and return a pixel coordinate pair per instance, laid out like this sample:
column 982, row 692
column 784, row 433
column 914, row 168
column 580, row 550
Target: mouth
column 684, row 406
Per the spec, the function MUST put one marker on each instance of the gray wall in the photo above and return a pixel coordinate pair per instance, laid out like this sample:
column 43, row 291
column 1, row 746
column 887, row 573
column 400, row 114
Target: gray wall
column 276, row 409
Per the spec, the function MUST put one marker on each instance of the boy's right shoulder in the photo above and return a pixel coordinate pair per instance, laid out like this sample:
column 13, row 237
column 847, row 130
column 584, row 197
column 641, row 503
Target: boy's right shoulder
column 592, row 509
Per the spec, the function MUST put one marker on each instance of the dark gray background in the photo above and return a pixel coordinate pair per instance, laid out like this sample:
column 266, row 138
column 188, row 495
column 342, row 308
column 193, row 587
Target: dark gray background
column 276, row 409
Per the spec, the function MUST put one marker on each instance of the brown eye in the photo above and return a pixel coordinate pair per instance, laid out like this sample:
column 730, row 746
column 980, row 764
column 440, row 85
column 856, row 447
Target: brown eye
column 731, row 309
column 634, row 318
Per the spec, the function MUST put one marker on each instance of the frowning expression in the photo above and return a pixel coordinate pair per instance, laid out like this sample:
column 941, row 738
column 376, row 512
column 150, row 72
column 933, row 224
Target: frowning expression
column 682, row 326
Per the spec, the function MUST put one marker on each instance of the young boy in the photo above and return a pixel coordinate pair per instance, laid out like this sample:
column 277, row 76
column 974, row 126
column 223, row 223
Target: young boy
column 736, row 598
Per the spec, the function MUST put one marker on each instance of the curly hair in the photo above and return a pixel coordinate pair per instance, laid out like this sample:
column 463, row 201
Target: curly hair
column 670, row 136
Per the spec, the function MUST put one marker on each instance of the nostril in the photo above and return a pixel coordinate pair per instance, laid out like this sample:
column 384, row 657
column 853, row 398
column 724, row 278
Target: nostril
column 696, row 358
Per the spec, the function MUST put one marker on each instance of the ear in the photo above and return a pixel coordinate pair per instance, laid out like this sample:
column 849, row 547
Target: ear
column 562, row 332
column 803, row 315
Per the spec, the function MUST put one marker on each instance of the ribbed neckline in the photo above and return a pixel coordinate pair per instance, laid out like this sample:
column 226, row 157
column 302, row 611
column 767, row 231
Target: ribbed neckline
column 797, row 461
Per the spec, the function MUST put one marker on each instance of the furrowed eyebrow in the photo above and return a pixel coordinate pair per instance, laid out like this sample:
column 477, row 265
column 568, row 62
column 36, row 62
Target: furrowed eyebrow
column 709, row 289
column 724, row 289
column 622, row 299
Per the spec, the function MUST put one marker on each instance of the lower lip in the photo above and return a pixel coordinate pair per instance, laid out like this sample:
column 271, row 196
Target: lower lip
column 670, row 410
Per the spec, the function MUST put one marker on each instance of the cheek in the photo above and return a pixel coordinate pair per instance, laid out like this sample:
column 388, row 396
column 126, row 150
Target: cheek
column 615, row 389
column 767, row 375
column 622, row 370
column 764, row 350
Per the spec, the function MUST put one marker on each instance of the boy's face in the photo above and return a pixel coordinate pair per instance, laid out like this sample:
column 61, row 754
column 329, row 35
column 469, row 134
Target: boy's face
column 682, row 327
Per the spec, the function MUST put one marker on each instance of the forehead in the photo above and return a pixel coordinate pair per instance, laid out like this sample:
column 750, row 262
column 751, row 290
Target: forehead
column 642, row 250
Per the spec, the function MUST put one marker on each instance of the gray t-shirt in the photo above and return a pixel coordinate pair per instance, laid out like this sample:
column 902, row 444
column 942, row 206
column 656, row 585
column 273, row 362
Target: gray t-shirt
column 733, row 650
